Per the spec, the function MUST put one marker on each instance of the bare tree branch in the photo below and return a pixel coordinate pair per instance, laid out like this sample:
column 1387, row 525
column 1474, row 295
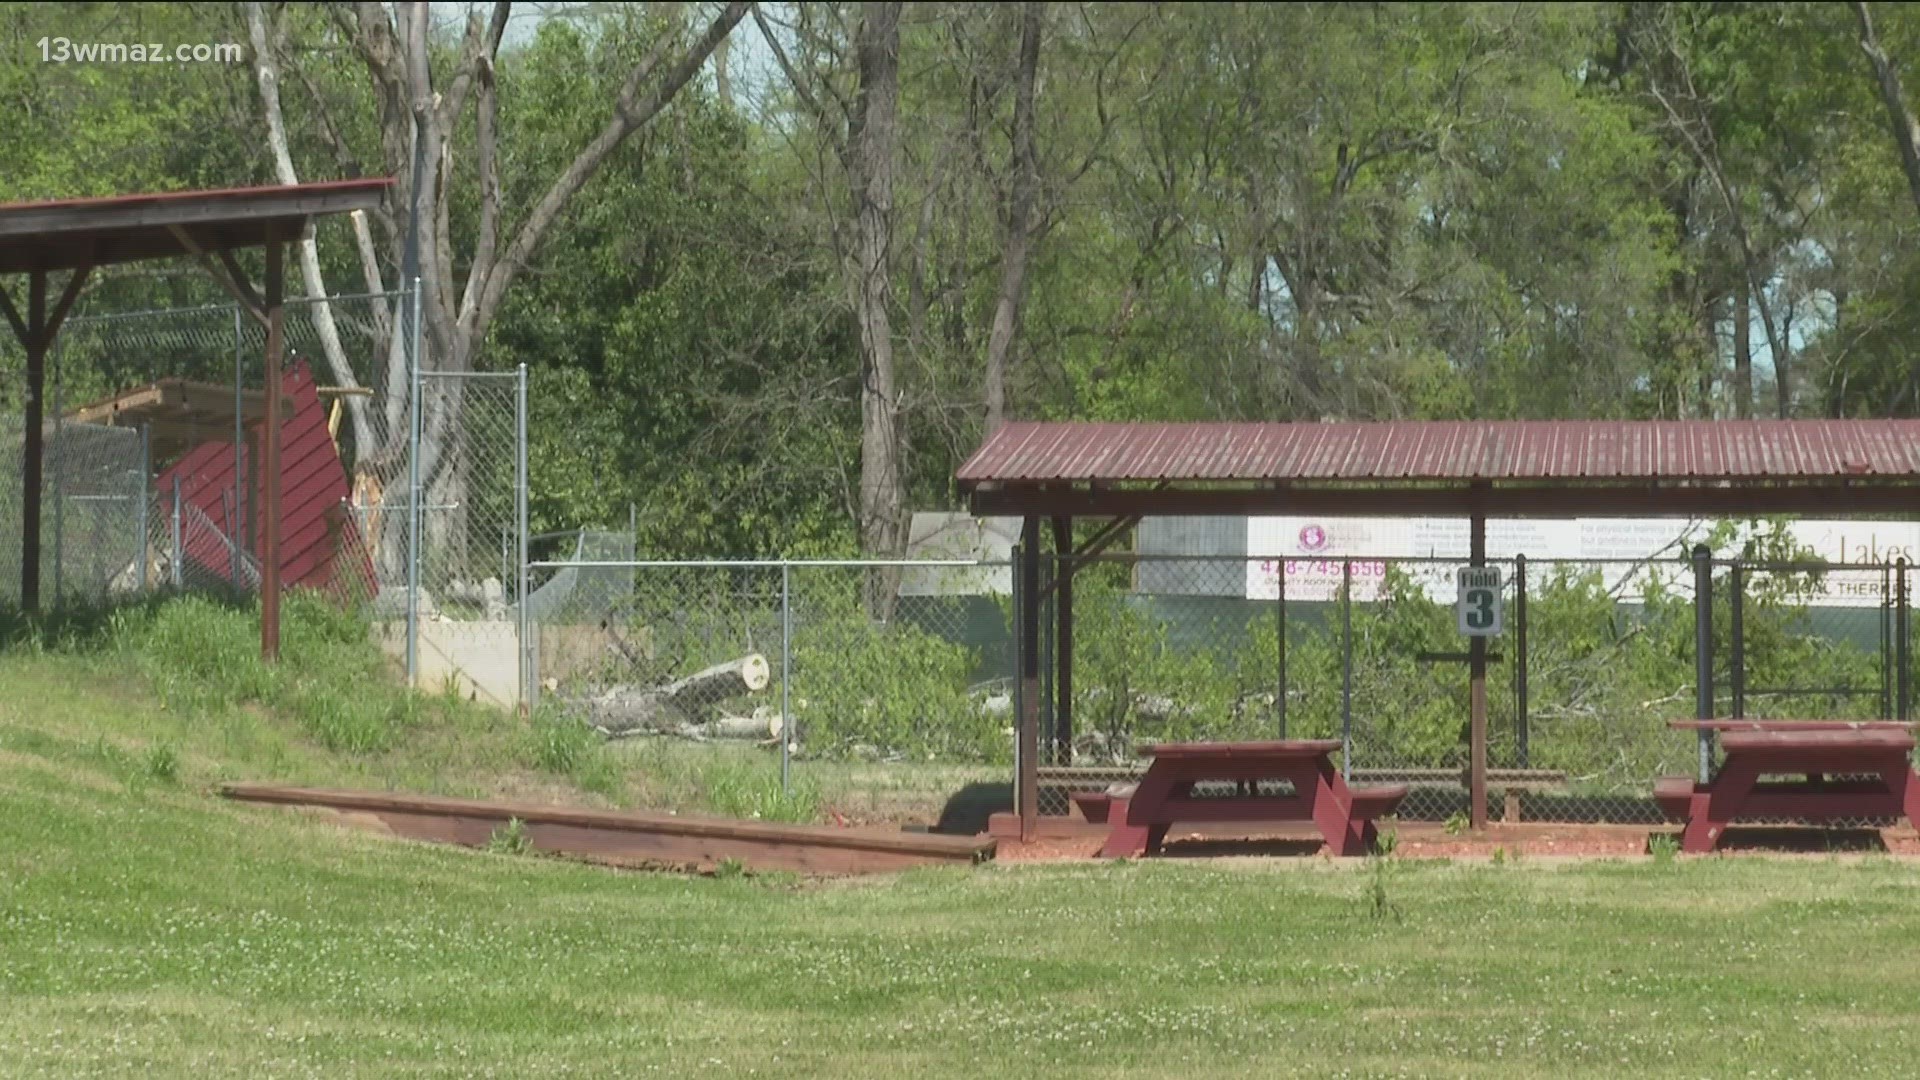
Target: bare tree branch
column 1906, row 131
column 267, row 74
column 634, row 108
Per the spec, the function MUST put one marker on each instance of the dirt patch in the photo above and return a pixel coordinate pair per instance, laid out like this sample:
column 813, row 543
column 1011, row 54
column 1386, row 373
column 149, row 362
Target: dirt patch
column 1546, row 841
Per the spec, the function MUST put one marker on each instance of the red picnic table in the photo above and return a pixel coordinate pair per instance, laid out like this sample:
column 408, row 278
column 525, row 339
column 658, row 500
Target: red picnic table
column 1139, row 821
column 1876, row 755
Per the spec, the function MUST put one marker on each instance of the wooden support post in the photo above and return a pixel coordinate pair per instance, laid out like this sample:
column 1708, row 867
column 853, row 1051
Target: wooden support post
column 270, row 456
column 1903, row 673
column 1477, row 691
column 1063, row 642
column 1703, row 653
column 33, row 464
column 1280, row 644
column 1736, row 633
column 36, row 333
column 1520, row 733
column 1027, row 797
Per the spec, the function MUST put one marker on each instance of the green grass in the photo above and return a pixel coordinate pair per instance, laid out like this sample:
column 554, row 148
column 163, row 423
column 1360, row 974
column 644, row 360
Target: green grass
column 152, row 930
column 148, row 928
column 333, row 713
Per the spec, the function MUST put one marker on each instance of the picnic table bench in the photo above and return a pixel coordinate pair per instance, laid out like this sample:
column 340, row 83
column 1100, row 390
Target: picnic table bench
column 1138, row 820
column 1090, row 788
column 1875, row 755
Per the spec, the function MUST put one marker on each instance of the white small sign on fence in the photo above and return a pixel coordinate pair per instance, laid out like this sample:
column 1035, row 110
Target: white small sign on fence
column 1477, row 610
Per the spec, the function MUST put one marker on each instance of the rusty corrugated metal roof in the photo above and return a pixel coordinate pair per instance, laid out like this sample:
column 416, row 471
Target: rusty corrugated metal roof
column 67, row 234
column 1418, row 451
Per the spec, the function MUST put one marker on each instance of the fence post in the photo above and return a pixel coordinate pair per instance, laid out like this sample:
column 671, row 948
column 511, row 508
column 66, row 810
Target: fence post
column 1027, row 787
column 1887, row 661
column 241, row 541
column 1280, row 634
column 1049, row 731
column 1736, row 621
column 786, row 678
column 1901, row 669
column 228, row 522
column 175, row 560
column 413, row 485
column 1520, row 659
column 144, row 493
column 529, row 676
column 1703, row 652
column 57, row 472
column 1346, row 670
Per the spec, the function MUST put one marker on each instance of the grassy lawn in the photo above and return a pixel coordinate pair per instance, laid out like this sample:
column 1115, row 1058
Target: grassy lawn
column 149, row 928
column 182, row 678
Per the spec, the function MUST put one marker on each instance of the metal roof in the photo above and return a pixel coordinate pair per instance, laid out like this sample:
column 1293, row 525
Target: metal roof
column 71, row 233
column 1440, row 451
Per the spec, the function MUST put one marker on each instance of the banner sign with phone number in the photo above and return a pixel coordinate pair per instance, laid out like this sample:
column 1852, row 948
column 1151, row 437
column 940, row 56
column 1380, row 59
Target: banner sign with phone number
column 1319, row 551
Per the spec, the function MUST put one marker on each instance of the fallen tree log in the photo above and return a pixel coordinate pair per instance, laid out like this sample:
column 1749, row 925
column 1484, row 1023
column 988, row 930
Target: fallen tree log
column 763, row 727
column 684, row 704
column 709, row 687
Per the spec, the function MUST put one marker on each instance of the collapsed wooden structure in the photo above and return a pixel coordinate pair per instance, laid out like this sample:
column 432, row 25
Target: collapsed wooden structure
column 81, row 235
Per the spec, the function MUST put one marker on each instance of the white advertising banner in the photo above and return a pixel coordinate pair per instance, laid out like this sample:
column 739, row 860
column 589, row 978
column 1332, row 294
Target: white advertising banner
column 1320, row 550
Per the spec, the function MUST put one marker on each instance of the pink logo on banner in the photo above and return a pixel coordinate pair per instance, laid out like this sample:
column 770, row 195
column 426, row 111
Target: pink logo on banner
column 1313, row 538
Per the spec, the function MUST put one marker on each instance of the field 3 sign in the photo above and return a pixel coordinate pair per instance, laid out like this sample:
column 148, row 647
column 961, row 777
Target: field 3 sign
column 1477, row 610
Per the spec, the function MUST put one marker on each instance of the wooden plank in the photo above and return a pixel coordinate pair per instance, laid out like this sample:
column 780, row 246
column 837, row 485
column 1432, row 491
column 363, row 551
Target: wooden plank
column 635, row 834
column 1778, row 742
column 104, row 412
column 38, row 222
column 1279, row 749
column 176, row 399
column 1090, row 773
column 1790, row 725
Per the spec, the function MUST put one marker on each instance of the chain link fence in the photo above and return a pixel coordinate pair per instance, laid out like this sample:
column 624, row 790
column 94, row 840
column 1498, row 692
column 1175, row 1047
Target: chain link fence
column 174, row 498
column 909, row 706
column 886, row 716
column 463, row 628
column 107, row 520
column 92, row 506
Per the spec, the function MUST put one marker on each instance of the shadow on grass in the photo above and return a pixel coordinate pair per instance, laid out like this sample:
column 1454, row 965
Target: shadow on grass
column 89, row 625
column 967, row 810
column 1212, row 849
column 1797, row 838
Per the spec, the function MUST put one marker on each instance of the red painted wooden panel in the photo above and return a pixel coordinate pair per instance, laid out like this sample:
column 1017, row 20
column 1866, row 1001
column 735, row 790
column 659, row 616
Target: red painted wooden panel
column 320, row 543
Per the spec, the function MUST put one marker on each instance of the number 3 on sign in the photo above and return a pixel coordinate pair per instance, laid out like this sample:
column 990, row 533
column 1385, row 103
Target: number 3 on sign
column 1477, row 611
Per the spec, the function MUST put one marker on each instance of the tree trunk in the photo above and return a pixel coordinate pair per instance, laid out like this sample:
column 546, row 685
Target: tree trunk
column 684, row 706
column 1710, row 340
column 1743, row 351
column 1906, row 130
column 722, row 78
column 1005, row 331
column 871, row 147
column 460, row 291
column 1778, row 343
column 267, row 72
column 708, row 687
